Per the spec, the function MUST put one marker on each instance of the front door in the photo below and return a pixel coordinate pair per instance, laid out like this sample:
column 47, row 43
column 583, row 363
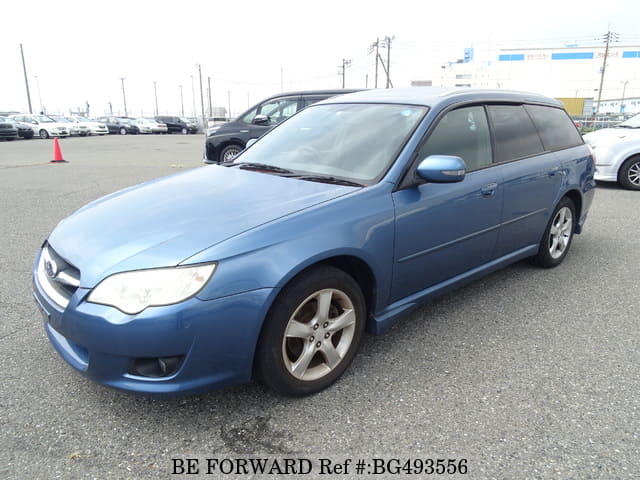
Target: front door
column 446, row 229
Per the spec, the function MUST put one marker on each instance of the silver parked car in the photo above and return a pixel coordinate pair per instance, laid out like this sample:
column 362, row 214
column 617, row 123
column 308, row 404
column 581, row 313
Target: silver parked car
column 617, row 152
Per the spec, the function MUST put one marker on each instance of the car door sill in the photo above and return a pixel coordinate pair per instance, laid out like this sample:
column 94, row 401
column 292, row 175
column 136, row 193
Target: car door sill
column 382, row 321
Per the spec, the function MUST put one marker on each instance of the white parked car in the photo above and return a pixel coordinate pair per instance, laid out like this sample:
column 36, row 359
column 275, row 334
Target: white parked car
column 144, row 125
column 617, row 152
column 43, row 125
column 153, row 124
column 95, row 127
column 75, row 128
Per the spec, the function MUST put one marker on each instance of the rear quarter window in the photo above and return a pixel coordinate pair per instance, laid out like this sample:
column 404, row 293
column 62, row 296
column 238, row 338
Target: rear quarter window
column 514, row 133
column 555, row 127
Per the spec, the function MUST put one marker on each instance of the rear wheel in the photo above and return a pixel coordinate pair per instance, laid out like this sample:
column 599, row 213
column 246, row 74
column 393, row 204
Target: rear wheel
column 557, row 236
column 123, row 131
column 629, row 174
column 311, row 333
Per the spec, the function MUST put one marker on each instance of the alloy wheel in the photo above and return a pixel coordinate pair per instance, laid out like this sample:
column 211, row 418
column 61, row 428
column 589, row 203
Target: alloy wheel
column 319, row 334
column 560, row 233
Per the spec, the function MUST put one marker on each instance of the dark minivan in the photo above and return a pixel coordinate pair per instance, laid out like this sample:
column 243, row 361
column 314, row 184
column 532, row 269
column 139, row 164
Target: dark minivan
column 227, row 140
column 177, row 125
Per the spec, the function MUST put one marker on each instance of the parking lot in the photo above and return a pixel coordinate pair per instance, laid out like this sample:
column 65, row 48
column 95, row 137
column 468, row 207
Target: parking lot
column 527, row 373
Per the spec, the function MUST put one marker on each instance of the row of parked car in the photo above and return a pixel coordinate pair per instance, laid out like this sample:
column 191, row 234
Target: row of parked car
column 27, row 125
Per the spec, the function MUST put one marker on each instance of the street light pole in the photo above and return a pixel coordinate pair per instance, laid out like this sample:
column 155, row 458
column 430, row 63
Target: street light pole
column 624, row 90
column 124, row 98
column 39, row 93
column 193, row 96
column 204, row 119
column 181, row 101
column 26, row 79
column 155, row 92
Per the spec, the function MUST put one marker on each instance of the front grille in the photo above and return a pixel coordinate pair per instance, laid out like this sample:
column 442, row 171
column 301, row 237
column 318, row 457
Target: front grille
column 57, row 277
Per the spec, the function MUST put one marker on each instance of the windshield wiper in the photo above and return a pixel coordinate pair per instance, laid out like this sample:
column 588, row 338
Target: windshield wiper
column 257, row 166
column 329, row 179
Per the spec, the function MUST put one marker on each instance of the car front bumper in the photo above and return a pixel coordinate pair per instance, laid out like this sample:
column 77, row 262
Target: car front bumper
column 606, row 173
column 215, row 339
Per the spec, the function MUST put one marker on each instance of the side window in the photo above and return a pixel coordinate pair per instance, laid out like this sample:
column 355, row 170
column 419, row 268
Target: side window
column 279, row 110
column 515, row 135
column 306, row 101
column 463, row 133
column 555, row 127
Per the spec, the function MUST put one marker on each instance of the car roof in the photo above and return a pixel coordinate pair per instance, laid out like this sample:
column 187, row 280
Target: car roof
column 438, row 96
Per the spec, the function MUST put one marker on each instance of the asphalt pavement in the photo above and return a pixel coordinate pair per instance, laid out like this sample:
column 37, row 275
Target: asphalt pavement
column 526, row 374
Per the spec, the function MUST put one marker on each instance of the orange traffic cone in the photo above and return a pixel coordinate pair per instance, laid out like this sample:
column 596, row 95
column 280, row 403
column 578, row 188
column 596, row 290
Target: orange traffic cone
column 57, row 153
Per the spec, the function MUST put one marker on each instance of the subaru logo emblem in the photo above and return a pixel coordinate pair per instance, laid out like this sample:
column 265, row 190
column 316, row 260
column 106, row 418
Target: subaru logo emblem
column 51, row 268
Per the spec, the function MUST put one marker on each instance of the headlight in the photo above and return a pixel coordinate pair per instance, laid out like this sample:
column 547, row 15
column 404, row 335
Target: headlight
column 132, row 292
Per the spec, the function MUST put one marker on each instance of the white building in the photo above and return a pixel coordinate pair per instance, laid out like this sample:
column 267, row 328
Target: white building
column 556, row 72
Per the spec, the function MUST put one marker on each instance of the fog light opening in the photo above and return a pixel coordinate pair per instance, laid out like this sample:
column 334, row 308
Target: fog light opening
column 155, row 367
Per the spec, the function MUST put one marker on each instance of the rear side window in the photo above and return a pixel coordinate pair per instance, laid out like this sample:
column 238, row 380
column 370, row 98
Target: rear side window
column 555, row 127
column 514, row 133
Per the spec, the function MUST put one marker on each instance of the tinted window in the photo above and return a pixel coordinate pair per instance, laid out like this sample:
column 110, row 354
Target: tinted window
column 515, row 134
column 463, row 133
column 555, row 127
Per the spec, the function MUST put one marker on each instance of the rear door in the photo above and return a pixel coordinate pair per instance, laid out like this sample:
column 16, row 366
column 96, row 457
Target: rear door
column 445, row 229
column 532, row 177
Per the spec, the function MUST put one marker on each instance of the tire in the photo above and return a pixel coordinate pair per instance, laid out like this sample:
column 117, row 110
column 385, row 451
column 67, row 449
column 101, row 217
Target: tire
column 229, row 152
column 629, row 173
column 123, row 131
column 558, row 235
column 28, row 136
column 43, row 133
column 311, row 333
column 184, row 131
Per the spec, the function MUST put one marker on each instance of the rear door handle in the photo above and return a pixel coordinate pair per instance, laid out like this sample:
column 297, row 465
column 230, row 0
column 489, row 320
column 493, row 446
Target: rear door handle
column 489, row 189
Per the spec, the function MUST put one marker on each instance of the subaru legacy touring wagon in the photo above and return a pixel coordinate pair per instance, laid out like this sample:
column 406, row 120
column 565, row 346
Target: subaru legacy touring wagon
column 339, row 220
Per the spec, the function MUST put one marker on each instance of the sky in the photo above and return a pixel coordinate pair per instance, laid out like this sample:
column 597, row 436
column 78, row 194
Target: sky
column 80, row 51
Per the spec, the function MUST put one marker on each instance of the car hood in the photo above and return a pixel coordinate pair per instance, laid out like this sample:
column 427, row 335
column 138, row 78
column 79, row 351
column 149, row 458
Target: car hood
column 611, row 135
column 165, row 221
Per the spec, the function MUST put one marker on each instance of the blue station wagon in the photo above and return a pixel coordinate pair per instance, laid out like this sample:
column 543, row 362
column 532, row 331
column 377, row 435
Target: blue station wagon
column 341, row 219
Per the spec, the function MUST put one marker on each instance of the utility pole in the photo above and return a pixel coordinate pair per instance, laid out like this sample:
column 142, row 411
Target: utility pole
column 376, row 45
column 181, row 101
column 26, row 79
column 155, row 92
column 345, row 63
column 204, row 118
column 609, row 37
column 229, row 101
column 124, row 98
column 387, row 43
column 210, row 106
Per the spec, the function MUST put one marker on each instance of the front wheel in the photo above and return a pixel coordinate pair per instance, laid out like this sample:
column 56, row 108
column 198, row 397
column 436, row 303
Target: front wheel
column 184, row 130
column 311, row 333
column 629, row 175
column 229, row 152
column 44, row 133
column 123, row 131
column 557, row 236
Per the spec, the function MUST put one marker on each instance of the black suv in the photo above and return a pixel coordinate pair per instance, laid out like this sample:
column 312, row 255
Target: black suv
column 177, row 125
column 121, row 125
column 227, row 140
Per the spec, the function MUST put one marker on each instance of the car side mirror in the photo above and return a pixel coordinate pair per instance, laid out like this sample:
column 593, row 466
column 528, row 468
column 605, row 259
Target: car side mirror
column 251, row 142
column 34, row 122
column 442, row 169
column 261, row 120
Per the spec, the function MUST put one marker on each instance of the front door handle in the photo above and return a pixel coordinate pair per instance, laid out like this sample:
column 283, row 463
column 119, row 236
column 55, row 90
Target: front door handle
column 489, row 189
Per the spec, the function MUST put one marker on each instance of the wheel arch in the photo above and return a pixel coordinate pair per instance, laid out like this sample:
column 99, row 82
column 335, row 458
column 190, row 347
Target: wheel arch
column 576, row 198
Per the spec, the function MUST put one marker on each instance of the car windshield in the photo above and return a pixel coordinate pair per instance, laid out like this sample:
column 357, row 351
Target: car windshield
column 81, row 119
column 350, row 141
column 633, row 122
column 43, row 119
